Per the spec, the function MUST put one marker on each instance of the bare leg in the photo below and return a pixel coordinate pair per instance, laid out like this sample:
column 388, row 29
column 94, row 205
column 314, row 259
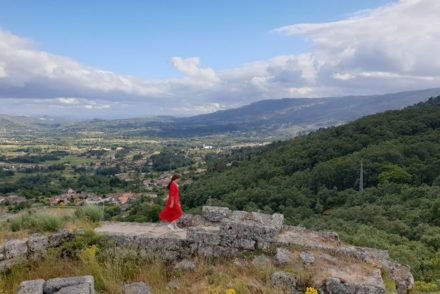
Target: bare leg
column 171, row 226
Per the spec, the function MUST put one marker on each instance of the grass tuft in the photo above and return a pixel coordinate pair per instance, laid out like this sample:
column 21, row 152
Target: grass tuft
column 90, row 212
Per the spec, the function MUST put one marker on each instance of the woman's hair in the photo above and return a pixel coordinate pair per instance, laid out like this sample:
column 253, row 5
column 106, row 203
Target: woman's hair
column 173, row 178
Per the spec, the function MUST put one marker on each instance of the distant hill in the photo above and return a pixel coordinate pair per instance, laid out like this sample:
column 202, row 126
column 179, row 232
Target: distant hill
column 280, row 115
column 314, row 181
column 275, row 118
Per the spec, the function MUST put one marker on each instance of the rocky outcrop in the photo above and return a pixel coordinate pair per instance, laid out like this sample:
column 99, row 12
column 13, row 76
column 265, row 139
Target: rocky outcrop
column 220, row 232
column 70, row 285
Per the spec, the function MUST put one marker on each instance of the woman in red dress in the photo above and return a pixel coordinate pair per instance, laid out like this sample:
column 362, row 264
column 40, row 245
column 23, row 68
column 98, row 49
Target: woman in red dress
column 173, row 210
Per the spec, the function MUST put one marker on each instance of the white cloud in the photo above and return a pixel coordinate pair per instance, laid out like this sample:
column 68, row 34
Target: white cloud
column 198, row 109
column 69, row 101
column 389, row 48
column 190, row 67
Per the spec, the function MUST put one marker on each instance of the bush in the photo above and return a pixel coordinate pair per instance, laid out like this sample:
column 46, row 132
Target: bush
column 35, row 223
column 90, row 212
column 48, row 223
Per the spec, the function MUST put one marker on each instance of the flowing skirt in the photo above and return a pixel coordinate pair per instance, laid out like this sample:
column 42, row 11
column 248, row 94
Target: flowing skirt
column 171, row 214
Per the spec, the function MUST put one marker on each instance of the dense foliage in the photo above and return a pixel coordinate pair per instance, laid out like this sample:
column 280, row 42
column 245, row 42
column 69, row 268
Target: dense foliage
column 42, row 184
column 170, row 159
column 313, row 180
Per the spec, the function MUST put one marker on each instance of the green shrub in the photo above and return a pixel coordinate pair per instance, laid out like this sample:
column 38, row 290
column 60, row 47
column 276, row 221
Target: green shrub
column 421, row 286
column 90, row 212
column 48, row 223
column 19, row 223
column 35, row 223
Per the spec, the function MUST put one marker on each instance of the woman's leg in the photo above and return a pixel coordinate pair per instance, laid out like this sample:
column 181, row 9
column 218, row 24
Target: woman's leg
column 176, row 227
column 171, row 226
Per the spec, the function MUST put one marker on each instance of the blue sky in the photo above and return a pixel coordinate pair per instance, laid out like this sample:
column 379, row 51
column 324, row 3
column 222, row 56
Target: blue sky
column 139, row 37
column 109, row 59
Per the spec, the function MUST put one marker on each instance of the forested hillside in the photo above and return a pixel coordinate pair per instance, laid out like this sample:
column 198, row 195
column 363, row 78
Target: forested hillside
column 314, row 181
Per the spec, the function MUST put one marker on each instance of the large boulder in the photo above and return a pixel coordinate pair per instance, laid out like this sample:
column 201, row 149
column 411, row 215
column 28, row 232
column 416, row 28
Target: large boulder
column 203, row 237
column 37, row 245
column 337, row 286
column 307, row 258
column 58, row 238
column 246, row 234
column 278, row 221
column 190, row 220
column 284, row 281
column 75, row 289
column 403, row 278
column 283, row 256
column 15, row 249
column 31, row 287
column 215, row 214
column 82, row 284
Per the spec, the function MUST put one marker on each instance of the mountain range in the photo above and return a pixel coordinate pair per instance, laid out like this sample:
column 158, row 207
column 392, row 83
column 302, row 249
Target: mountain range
column 278, row 118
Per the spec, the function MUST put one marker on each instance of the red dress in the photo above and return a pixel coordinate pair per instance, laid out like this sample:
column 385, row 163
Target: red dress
column 171, row 214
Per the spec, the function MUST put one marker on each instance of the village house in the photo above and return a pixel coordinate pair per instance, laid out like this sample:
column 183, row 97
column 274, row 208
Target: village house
column 123, row 198
column 70, row 196
column 13, row 199
column 97, row 200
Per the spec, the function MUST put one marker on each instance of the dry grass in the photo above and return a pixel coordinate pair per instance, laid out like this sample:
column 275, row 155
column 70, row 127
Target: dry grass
column 6, row 235
column 113, row 267
column 21, row 225
column 112, row 270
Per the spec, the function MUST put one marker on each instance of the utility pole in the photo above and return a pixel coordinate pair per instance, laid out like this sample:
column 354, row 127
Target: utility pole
column 361, row 178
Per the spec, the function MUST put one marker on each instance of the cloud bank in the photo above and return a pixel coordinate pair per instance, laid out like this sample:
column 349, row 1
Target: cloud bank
column 390, row 48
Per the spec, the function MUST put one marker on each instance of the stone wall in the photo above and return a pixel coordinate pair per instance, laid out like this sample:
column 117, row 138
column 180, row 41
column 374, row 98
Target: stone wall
column 18, row 251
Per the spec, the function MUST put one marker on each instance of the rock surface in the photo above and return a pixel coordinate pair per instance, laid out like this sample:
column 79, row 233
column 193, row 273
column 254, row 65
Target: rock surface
column 37, row 245
column 15, row 249
column 336, row 286
column 186, row 265
column 31, row 287
column 83, row 284
column 137, row 288
column 307, row 258
column 284, row 281
column 215, row 214
column 283, row 256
